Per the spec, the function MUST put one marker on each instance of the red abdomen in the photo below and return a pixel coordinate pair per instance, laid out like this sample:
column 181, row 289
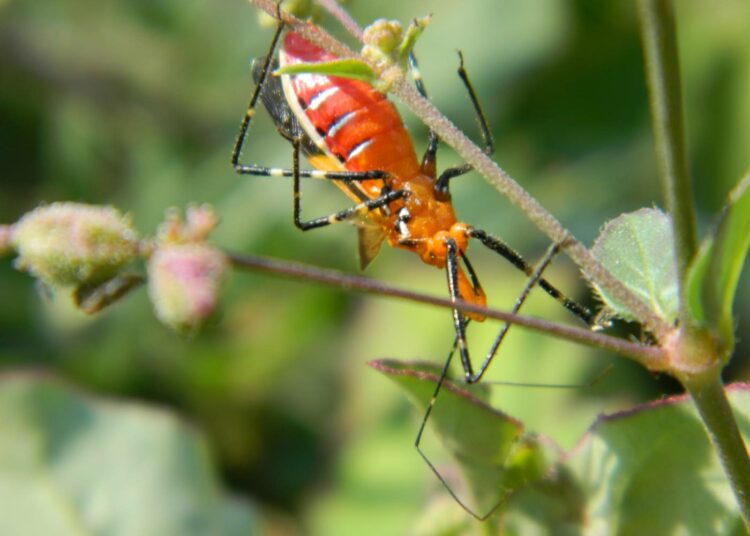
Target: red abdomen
column 357, row 124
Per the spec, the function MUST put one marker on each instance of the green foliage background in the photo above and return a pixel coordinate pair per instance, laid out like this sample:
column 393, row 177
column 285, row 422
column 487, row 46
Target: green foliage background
column 137, row 104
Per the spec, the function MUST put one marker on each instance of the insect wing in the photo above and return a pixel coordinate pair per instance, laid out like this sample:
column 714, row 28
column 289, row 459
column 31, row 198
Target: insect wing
column 283, row 117
column 370, row 238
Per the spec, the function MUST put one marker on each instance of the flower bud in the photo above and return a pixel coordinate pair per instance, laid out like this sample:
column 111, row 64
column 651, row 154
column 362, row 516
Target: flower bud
column 381, row 38
column 184, row 281
column 73, row 244
column 384, row 35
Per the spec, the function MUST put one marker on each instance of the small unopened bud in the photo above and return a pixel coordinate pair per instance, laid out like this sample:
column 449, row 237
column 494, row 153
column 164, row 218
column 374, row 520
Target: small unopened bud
column 381, row 38
column 73, row 244
column 184, row 281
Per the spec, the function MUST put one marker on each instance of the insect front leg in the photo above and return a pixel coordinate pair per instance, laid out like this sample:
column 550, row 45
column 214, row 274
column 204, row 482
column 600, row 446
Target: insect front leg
column 429, row 158
column 489, row 147
column 360, row 209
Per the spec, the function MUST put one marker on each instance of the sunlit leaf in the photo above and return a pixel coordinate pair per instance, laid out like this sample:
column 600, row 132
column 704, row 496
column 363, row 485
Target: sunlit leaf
column 638, row 249
column 712, row 278
column 652, row 470
column 74, row 465
column 493, row 455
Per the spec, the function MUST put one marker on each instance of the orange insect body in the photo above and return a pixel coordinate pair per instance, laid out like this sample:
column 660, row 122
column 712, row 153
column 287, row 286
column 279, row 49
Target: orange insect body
column 358, row 129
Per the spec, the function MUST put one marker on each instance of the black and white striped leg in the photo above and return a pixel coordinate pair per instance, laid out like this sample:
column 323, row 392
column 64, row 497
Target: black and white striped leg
column 503, row 249
column 242, row 137
column 245, row 125
column 360, row 209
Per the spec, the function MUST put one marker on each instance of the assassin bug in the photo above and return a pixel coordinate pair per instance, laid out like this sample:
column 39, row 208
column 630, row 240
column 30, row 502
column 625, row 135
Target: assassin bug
column 355, row 138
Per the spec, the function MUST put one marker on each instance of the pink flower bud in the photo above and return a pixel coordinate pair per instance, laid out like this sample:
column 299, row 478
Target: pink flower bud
column 184, row 281
column 73, row 244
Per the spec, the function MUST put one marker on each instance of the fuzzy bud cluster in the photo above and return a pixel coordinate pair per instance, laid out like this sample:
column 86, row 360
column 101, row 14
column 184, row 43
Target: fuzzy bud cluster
column 72, row 244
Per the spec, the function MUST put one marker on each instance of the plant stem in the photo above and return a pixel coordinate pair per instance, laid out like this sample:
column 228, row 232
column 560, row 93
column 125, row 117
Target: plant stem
column 498, row 178
column 652, row 357
column 709, row 397
column 335, row 9
column 663, row 76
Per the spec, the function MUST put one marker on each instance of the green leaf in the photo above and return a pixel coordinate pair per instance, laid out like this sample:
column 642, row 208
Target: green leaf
column 652, row 470
column 489, row 447
column 74, row 465
column 638, row 249
column 713, row 275
column 344, row 68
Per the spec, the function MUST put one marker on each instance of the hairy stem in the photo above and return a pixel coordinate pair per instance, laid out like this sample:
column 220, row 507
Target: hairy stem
column 335, row 9
column 707, row 393
column 651, row 357
column 663, row 76
column 706, row 390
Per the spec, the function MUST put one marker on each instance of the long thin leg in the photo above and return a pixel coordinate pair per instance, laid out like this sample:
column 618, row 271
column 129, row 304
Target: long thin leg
column 429, row 158
column 536, row 277
column 360, row 209
column 460, row 323
column 418, row 441
column 489, row 147
column 252, row 104
column 519, row 262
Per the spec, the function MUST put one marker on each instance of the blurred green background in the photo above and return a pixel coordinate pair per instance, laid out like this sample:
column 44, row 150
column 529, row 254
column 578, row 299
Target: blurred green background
column 137, row 104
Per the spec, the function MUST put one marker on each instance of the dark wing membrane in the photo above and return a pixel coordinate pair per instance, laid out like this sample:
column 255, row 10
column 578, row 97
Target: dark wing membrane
column 286, row 122
column 274, row 100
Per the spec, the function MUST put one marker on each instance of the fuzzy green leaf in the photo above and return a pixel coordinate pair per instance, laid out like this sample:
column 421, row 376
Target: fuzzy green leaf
column 492, row 454
column 712, row 278
column 74, row 465
column 638, row 249
column 344, row 68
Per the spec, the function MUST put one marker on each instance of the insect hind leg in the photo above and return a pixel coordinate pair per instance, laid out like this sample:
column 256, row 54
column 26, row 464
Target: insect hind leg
column 460, row 323
column 251, row 107
column 504, row 250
